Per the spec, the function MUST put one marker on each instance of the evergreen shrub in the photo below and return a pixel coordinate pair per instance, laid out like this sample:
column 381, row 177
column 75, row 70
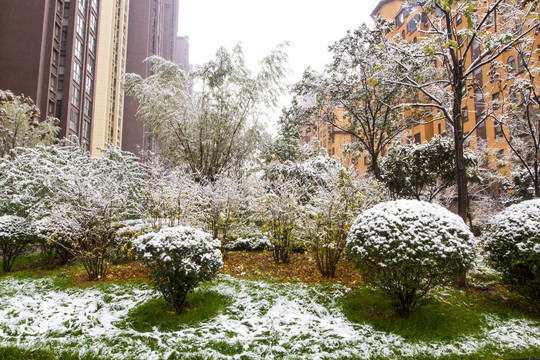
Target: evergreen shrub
column 407, row 247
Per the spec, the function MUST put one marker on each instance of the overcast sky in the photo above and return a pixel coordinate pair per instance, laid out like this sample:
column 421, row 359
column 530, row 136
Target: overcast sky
column 309, row 25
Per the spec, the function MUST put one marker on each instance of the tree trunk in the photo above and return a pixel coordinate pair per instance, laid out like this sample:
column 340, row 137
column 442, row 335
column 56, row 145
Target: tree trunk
column 375, row 167
column 536, row 180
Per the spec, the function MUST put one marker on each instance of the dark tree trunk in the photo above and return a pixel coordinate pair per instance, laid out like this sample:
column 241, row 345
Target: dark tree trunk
column 375, row 167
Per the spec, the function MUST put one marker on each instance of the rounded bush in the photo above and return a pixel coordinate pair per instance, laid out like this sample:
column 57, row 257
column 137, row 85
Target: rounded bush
column 407, row 247
column 179, row 259
column 512, row 244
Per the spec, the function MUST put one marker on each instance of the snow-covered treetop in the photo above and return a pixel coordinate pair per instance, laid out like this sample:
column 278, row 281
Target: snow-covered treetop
column 404, row 230
column 13, row 226
column 518, row 226
column 180, row 246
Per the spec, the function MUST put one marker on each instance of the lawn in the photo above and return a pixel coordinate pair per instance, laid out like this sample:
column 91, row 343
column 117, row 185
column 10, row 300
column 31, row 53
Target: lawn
column 57, row 316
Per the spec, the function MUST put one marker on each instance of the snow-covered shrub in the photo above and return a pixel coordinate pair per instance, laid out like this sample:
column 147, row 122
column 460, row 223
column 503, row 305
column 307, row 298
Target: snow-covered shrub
column 15, row 237
column 257, row 243
column 330, row 214
column 75, row 199
column 407, row 247
column 126, row 232
column 279, row 211
column 512, row 244
column 224, row 205
column 179, row 258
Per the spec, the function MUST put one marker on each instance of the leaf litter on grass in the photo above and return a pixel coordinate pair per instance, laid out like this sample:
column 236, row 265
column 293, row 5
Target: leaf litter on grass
column 264, row 321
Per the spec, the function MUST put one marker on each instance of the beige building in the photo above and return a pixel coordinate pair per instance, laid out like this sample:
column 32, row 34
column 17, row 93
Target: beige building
column 110, row 70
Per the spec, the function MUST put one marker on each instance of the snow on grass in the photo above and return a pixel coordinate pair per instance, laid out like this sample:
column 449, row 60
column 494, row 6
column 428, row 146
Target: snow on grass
column 265, row 320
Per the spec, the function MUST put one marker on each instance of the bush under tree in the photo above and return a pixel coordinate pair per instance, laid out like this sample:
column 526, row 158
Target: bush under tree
column 512, row 244
column 407, row 247
column 15, row 237
column 72, row 199
column 179, row 258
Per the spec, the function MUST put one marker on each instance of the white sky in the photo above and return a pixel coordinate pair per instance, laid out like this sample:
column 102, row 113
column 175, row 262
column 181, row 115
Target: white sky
column 310, row 26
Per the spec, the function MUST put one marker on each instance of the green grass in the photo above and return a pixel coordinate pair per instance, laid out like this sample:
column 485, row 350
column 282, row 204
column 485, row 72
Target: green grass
column 14, row 353
column 441, row 318
column 202, row 305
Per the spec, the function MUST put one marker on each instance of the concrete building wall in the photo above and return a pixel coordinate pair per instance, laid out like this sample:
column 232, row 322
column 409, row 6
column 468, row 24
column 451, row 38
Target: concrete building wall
column 111, row 65
column 182, row 53
column 48, row 52
column 152, row 30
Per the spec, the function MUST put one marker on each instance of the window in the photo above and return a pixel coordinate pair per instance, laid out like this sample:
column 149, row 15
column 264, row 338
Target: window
column 465, row 114
column 62, row 63
column 89, row 85
column 92, row 44
column 78, row 50
column 55, row 57
column 60, row 90
column 403, row 34
column 77, row 73
column 57, row 31
column 495, row 101
column 498, row 129
column 83, row 6
column 459, row 19
column 50, row 109
column 475, row 49
column 73, row 121
column 439, row 128
column 93, row 23
column 88, row 107
column 91, row 65
column 58, row 111
column 417, row 138
column 95, row 5
column 66, row 16
column 86, row 130
column 489, row 20
column 521, row 63
column 493, row 73
column 52, row 86
column 75, row 96
column 511, row 65
column 478, row 76
column 400, row 18
column 64, row 40
column 80, row 26
column 411, row 26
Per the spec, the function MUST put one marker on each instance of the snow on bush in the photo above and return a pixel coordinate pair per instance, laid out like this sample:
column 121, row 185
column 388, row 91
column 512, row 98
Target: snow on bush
column 126, row 232
column 257, row 243
column 407, row 247
column 512, row 243
column 15, row 237
column 179, row 259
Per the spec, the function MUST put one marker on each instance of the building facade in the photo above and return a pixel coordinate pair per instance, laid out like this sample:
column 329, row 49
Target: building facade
column 182, row 53
column 153, row 25
column 111, row 67
column 51, row 57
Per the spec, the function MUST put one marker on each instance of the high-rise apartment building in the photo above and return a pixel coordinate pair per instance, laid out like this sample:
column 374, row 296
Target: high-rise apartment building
column 110, row 70
column 48, row 52
column 153, row 25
